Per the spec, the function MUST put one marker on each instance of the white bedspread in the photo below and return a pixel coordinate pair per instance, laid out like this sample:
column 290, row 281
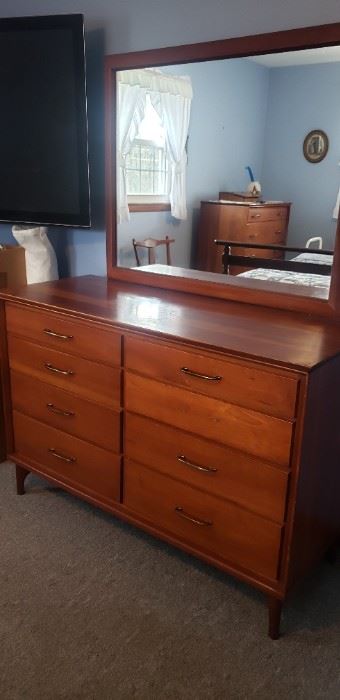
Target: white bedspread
column 301, row 278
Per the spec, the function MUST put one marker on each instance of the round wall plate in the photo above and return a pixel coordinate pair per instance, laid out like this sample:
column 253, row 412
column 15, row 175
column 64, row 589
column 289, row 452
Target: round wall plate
column 315, row 146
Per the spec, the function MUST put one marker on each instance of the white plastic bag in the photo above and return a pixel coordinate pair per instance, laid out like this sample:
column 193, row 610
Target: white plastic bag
column 41, row 261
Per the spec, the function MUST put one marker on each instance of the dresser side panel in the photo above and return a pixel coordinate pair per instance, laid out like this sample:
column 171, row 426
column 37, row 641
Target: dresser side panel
column 2, row 368
column 316, row 524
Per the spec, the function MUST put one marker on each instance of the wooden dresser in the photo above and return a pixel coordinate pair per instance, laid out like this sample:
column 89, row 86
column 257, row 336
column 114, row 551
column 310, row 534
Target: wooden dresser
column 3, row 279
column 239, row 221
column 66, row 397
column 201, row 421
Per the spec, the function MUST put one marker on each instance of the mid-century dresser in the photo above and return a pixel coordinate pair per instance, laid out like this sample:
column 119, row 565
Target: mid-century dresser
column 242, row 221
column 211, row 424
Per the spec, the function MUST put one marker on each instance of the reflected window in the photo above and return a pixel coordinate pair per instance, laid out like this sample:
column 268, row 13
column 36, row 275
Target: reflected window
column 147, row 165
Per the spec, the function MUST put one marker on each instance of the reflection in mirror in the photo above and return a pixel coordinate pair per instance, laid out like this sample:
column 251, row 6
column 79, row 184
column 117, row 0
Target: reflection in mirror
column 214, row 151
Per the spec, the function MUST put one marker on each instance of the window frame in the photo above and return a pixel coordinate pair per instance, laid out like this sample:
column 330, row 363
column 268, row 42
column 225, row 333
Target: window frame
column 150, row 201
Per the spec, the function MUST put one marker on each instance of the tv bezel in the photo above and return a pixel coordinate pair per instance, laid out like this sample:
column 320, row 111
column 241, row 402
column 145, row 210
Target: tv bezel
column 75, row 22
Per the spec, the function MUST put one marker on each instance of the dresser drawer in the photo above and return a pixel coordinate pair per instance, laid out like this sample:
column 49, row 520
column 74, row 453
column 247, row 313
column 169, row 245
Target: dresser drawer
column 270, row 232
column 65, row 411
column 215, row 469
column 208, row 523
column 238, row 383
column 240, row 428
column 64, row 333
column 74, row 462
column 266, row 213
column 87, row 379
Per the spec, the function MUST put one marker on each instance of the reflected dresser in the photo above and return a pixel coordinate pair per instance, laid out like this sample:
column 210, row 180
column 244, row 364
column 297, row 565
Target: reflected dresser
column 240, row 221
column 204, row 422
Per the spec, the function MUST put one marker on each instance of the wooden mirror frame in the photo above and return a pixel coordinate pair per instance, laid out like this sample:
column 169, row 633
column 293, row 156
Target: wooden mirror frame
column 194, row 281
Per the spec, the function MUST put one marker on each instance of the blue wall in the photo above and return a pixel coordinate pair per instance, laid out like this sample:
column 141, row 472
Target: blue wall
column 245, row 113
column 227, row 131
column 116, row 26
column 301, row 99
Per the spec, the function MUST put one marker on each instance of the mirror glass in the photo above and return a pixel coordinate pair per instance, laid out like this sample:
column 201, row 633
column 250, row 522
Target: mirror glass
column 246, row 177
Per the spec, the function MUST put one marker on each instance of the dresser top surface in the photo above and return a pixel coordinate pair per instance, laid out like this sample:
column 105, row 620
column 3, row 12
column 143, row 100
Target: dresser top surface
column 255, row 205
column 271, row 335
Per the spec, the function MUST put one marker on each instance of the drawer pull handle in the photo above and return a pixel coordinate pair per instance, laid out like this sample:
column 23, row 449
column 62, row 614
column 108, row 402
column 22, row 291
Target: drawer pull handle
column 207, row 377
column 59, row 371
column 58, row 455
column 59, row 411
column 186, row 516
column 57, row 335
column 208, row 470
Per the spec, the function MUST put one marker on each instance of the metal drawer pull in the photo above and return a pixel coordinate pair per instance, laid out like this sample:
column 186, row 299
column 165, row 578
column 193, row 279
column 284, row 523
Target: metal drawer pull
column 184, row 460
column 56, row 454
column 207, row 377
column 59, row 411
column 57, row 335
column 185, row 515
column 55, row 369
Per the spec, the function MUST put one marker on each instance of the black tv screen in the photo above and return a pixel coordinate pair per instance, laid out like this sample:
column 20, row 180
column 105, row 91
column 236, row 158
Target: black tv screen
column 44, row 175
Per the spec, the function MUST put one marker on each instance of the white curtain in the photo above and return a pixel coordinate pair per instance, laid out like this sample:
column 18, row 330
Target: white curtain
column 174, row 111
column 130, row 110
column 337, row 206
column 171, row 97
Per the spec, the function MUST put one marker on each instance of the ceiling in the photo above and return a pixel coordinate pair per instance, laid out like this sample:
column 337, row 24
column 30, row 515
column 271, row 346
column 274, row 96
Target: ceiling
column 328, row 54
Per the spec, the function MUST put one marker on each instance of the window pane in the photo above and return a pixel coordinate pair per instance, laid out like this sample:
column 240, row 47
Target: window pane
column 146, row 169
column 159, row 183
column 158, row 159
column 133, row 158
column 146, row 158
column 150, row 128
column 146, row 182
column 133, row 182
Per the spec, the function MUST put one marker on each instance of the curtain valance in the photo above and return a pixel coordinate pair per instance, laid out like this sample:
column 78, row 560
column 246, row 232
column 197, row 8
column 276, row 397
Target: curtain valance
column 154, row 81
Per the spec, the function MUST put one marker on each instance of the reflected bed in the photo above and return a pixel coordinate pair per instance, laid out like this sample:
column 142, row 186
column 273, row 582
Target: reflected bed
column 310, row 268
column 290, row 277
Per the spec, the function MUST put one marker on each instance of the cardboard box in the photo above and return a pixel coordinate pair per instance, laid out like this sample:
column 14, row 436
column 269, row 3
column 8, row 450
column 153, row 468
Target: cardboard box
column 12, row 265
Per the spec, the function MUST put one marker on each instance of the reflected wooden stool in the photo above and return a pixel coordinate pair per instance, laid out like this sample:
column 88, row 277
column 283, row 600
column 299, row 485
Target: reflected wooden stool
column 150, row 244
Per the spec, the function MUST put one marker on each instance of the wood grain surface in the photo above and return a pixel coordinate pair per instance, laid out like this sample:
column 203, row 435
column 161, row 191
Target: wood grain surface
column 66, row 411
column 241, row 428
column 73, row 461
column 239, row 383
column 84, row 378
column 284, row 338
column 207, row 465
column 225, row 530
column 64, row 334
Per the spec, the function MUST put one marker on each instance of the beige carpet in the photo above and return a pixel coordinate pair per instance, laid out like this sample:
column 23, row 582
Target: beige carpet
column 92, row 608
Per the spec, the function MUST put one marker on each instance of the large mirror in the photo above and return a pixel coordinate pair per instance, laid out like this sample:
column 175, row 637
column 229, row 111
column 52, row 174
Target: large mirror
column 212, row 153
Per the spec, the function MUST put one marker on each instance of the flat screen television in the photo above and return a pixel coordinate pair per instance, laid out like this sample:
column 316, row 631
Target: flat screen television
column 44, row 175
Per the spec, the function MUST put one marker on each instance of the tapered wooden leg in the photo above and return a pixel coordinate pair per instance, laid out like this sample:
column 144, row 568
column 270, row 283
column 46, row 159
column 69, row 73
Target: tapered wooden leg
column 274, row 610
column 21, row 474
